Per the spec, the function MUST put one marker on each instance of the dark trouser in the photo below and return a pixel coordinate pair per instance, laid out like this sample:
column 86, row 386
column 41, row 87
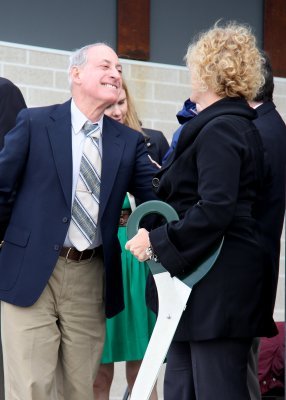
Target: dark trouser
column 1, row 366
column 252, row 371
column 207, row 370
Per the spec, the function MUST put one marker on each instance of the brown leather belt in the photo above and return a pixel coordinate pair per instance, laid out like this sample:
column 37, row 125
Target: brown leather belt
column 124, row 215
column 71, row 253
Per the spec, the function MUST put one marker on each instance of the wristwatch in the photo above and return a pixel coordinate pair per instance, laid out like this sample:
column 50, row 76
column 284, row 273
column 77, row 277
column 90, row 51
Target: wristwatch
column 150, row 253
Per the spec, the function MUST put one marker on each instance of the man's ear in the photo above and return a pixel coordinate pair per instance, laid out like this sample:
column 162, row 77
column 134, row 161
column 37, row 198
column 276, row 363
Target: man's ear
column 75, row 74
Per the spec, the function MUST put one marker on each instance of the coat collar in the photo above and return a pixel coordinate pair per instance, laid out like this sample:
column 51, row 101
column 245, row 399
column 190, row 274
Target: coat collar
column 59, row 131
column 265, row 108
column 225, row 106
column 191, row 129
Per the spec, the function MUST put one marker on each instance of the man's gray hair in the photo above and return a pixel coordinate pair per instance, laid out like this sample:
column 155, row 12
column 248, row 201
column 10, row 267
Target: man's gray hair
column 79, row 57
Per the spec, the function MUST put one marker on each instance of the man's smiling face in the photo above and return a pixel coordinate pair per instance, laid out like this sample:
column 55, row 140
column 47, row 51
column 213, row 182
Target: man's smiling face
column 100, row 78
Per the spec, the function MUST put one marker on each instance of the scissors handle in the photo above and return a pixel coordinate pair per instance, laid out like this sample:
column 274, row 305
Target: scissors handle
column 168, row 212
column 150, row 207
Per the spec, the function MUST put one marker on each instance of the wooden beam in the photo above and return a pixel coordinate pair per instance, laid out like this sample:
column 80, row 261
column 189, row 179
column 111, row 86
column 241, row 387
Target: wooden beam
column 275, row 34
column 133, row 29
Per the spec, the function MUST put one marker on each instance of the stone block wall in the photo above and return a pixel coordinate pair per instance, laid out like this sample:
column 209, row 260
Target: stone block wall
column 159, row 91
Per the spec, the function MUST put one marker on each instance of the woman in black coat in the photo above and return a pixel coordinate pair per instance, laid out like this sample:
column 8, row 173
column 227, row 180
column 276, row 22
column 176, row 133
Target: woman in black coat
column 214, row 180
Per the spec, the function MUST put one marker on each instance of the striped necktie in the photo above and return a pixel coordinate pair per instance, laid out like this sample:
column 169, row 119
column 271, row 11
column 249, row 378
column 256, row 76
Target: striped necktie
column 83, row 225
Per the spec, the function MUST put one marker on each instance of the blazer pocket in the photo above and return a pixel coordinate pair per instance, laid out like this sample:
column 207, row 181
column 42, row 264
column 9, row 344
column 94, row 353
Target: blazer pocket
column 11, row 256
column 16, row 236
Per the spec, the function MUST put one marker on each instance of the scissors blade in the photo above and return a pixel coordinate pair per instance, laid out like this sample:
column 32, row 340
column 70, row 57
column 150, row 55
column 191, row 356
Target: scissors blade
column 173, row 295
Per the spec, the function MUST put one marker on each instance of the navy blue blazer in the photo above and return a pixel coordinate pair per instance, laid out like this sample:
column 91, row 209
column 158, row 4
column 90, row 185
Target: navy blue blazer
column 37, row 162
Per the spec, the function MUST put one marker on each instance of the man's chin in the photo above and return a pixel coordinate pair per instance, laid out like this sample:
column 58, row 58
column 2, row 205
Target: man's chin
column 111, row 99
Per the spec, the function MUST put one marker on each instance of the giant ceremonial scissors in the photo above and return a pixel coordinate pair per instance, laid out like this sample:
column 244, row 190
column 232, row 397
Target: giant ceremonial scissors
column 173, row 294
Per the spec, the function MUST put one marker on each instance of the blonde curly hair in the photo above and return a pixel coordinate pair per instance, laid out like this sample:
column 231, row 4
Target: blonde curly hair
column 227, row 61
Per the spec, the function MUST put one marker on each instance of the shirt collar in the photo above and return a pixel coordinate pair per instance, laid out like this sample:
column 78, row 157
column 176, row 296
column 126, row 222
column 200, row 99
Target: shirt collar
column 258, row 104
column 78, row 119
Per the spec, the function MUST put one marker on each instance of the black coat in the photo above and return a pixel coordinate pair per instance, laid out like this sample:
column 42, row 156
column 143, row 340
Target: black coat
column 11, row 102
column 212, row 180
column 157, row 144
column 270, row 210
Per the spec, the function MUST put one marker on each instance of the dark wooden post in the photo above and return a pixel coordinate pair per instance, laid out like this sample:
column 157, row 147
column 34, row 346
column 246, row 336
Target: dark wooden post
column 133, row 29
column 275, row 34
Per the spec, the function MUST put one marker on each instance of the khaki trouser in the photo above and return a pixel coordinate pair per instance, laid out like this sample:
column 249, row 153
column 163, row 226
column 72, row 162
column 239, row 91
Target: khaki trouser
column 66, row 325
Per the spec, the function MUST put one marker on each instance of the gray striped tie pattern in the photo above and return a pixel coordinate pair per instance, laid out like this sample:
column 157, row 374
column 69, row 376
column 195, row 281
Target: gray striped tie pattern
column 83, row 225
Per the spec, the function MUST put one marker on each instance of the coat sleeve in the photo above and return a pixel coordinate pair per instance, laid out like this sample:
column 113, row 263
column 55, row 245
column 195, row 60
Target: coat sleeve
column 12, row 163
column 143, row 173
column 218, row 161
column 11, row 102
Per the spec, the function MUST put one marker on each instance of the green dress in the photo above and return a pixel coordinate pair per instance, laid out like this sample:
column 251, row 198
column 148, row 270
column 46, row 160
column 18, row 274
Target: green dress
column 128, row 333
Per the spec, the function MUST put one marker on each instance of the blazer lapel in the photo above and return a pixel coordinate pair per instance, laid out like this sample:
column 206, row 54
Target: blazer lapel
column 112, row 149
column 59, row 131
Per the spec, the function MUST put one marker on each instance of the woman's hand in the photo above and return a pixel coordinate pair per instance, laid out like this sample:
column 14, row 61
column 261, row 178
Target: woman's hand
column 139, row 244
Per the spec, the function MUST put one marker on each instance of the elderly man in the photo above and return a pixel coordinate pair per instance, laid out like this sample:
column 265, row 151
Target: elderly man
column 60, row 268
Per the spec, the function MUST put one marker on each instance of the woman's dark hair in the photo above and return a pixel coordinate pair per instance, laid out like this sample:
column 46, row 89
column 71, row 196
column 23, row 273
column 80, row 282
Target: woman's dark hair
column 265, row 93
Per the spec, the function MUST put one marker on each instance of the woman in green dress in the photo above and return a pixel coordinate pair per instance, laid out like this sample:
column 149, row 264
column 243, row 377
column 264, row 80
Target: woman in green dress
column 128, row 333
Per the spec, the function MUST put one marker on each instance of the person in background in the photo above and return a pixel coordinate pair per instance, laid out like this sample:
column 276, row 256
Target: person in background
column 271, row 209
column 214, row 182
column 60, row 261
column 184, row 115
column 11, row 102
column 271, row 365
column 128, row 333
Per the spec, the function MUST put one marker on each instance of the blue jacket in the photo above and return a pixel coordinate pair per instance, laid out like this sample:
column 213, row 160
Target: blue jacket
column 184, row 115
column 37, row 162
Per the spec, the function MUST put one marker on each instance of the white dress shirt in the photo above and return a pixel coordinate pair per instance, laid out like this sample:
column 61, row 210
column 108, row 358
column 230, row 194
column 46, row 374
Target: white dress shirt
column 78, row 119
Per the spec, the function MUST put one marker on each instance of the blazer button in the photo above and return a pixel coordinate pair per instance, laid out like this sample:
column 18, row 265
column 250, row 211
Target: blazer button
column 155, row 182
column 65, row 220
column 56, row 247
